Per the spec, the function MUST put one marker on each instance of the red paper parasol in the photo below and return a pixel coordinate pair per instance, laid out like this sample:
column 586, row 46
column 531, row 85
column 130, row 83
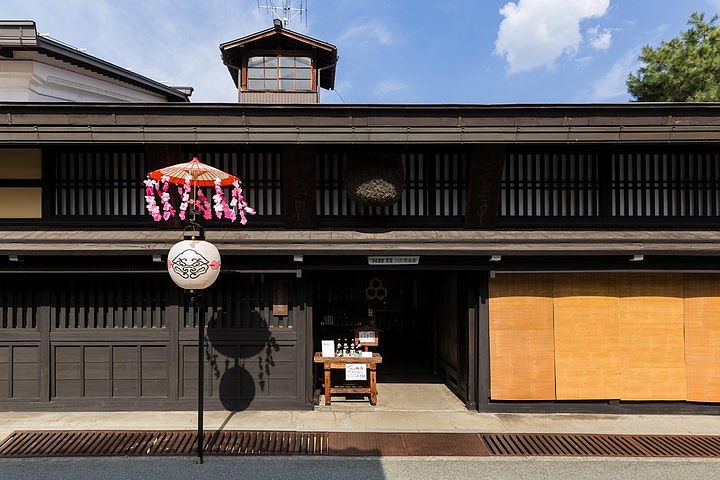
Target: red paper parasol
column 201, row 175
column 192, row 177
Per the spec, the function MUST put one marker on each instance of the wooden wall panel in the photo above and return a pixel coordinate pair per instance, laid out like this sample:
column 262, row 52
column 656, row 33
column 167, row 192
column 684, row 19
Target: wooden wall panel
column 702, row 337
column 587, row 336
column 652, row 338
column 522, row 365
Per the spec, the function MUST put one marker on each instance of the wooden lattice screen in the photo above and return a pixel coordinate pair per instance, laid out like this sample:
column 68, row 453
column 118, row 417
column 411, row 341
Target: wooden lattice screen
column 550, row 184
column 662, row 184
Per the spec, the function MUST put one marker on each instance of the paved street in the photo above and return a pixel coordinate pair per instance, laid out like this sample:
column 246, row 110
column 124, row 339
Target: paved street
column 281, row 468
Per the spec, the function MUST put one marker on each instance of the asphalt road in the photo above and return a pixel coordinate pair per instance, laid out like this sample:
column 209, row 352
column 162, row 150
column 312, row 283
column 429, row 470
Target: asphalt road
column 300, row 468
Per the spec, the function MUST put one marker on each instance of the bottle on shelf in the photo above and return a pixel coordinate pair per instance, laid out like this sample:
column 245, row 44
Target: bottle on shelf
column 338, row 348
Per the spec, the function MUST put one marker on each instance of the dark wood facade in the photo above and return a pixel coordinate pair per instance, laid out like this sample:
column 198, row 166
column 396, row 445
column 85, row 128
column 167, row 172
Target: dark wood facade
column 89, row 319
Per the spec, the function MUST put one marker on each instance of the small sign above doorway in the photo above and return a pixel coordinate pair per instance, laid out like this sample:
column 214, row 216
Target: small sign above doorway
column 394, row 260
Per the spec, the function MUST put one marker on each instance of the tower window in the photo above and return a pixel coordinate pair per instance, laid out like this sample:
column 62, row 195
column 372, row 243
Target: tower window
column 279, row 73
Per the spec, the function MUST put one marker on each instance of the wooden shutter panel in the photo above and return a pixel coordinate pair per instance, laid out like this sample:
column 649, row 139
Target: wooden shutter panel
column 522, row 365
column 587, row 336
column 702, row 337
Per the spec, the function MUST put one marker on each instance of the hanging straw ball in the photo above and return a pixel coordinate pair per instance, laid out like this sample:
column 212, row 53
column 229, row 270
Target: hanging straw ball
column 374, row 179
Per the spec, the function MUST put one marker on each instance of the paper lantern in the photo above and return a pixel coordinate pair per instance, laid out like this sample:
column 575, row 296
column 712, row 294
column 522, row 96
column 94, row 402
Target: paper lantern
column 193, row 264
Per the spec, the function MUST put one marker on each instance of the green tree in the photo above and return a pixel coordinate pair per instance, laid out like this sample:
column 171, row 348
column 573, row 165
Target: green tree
column 685, row 69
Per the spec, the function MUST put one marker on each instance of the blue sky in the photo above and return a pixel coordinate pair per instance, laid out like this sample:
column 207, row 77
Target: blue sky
column 399, row 51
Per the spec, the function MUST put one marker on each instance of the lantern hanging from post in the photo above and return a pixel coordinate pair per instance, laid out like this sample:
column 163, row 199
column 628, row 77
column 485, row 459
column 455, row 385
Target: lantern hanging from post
column 193, row 264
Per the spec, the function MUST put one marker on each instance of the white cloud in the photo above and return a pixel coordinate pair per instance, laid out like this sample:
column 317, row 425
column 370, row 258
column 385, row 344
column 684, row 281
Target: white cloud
column 390, row 86
column 535, row 33
column 612, row 85
column 371, row 32
column 599, row 39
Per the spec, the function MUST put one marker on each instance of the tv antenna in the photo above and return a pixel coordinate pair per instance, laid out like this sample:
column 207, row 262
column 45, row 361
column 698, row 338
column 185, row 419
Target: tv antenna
column 285, row 10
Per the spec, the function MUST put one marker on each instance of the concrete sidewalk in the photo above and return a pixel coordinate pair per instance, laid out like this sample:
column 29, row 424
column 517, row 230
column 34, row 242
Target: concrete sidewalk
column 366, row 421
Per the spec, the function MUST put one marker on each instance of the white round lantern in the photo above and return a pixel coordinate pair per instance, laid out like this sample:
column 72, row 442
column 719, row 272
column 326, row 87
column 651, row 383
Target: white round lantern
column 194, row 264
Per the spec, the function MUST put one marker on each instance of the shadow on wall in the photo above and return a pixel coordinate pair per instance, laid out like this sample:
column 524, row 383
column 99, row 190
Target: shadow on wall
column 240, row 361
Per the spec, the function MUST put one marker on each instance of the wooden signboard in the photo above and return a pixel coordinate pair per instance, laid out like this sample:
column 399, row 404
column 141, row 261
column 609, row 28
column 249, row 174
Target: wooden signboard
column 280, row 298
column 486, row 168
column 298, row 183
column 367, row 336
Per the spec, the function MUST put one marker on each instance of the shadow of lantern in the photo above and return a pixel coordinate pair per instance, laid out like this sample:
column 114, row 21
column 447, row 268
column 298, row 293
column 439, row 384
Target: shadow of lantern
column 237, row 389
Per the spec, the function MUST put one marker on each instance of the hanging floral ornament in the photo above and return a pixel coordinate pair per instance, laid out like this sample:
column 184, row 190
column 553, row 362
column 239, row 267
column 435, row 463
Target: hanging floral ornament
column 192, row 177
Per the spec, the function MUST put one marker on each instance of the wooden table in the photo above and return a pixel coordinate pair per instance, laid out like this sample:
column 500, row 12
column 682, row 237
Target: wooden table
column 338, row 363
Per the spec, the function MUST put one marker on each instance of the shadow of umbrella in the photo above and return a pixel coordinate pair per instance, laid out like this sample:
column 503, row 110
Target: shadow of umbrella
column 225, row 352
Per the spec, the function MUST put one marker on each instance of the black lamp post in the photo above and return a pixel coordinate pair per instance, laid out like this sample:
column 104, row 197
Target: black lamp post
column 194, row 265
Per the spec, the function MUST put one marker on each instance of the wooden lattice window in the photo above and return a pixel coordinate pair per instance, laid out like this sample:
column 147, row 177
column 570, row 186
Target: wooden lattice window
column 662, row 184
column 550, row 184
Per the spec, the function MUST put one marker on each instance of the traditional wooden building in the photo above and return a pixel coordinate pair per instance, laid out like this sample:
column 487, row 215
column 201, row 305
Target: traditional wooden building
column 538, row 257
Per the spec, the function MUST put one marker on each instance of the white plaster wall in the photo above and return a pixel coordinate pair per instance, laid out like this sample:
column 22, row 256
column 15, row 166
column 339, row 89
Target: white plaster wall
column 32, row 77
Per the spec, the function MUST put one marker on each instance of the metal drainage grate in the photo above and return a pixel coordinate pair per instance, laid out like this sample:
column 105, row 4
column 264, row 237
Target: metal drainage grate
column 137, row 443
column 108, row 443
column 602, row 445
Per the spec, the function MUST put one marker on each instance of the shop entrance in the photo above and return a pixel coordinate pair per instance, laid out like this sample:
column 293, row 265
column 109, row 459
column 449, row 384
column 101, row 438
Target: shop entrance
column 420, row 338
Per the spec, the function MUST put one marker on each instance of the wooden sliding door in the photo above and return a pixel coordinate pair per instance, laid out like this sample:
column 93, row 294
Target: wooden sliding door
column 605, row 336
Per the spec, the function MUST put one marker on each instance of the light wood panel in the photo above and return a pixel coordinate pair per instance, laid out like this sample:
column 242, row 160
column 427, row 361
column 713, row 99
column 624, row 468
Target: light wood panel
column 652, row 337
column 587, row 336
column 20, row 202
column 522, row 365
column 702, row 337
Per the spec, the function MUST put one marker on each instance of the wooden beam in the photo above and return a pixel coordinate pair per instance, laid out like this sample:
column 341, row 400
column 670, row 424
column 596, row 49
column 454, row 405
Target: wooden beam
column 484, row 177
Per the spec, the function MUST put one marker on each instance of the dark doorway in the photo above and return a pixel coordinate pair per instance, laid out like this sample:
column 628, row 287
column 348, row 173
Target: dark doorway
column 416, row 311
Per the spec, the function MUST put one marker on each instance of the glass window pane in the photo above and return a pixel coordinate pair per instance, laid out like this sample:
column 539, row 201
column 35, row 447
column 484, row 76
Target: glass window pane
column 271, row 73
column 287, row 73
column 286, row 85
column 302, row 61
column 255, row 72
column 255, row 62
column 302, row 84
column 271, row 84
column 271, row 62
column 287, row 61
column 255, row 84
column 303, row 73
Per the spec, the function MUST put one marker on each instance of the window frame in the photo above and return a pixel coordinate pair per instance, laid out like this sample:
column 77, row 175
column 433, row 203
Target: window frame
column 246, row 79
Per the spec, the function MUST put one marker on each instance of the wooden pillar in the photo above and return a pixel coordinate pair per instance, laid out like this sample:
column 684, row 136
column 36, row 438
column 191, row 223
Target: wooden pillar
column 483, row 342
column 471, row 293
column 486, row 168
column 172, row 318
column 44, row 320
column 308, row 294
column 298, row 186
